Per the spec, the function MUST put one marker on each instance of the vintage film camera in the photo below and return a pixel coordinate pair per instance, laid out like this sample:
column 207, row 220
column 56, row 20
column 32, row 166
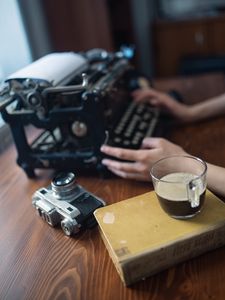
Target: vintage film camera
column 67, row 203
column 64, row 106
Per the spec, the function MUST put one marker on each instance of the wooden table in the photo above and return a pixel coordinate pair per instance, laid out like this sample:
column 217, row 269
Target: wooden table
column 40, row 262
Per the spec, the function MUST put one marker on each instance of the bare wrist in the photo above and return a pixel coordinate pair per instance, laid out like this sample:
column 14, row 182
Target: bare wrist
column 189, row 114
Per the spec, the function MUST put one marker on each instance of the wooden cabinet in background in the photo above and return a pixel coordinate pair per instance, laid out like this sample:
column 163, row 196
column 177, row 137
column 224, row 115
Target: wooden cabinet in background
column 175, row 40
column 217, row 35
column 81, row 25
column 75, row 25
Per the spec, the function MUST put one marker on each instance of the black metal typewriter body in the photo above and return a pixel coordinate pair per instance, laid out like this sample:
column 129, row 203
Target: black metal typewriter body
column 61, row 124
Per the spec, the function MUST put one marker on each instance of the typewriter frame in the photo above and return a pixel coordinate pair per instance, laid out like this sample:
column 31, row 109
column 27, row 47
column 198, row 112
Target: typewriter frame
column 56, row 148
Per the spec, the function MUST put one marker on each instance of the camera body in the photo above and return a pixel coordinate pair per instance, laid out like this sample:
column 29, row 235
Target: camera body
column 67, row 203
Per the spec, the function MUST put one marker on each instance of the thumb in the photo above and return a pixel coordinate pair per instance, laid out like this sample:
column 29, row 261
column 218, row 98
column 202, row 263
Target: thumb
column 150, row 142
column 154, row 102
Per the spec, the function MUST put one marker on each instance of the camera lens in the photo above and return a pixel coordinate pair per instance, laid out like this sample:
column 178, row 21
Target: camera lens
column 63, row 179
column 64, row 185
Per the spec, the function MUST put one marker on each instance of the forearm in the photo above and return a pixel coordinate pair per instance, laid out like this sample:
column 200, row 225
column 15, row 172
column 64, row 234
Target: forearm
column 203, row 110
column 216, row 179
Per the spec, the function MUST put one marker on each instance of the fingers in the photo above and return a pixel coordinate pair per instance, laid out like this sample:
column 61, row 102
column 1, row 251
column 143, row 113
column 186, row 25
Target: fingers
column 133, row 165
column 133, row 155
column 136, row 164
column 144, row 94
column 126, row 175
column 153, row 142
column 120, row 166
column 144, row 91
column 155, row 98
column 161, row 147
column 127, row 170
column 124, row 154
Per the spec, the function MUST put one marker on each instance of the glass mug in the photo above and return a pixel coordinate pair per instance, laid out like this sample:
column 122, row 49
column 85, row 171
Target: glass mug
column 180, row 185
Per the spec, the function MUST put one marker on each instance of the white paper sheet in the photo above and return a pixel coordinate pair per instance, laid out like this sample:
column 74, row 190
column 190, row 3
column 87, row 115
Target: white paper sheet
column 56, row 68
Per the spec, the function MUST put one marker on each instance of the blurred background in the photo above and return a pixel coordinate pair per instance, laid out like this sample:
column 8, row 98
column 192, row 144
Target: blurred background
column 171, row 37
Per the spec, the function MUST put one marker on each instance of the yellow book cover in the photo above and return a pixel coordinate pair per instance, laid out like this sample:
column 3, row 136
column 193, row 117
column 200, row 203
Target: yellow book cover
column 143, row 240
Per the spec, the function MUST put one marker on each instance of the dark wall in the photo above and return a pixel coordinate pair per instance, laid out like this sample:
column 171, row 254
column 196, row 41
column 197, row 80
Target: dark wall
column 78, row 25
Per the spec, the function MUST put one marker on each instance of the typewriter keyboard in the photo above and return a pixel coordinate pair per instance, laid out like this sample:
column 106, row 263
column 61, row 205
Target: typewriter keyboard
column 138, row 121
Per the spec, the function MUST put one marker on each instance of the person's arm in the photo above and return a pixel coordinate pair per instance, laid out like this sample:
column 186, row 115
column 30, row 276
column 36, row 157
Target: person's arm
column 216, row 179
column 186, row 113
column 209, row 108
column 138, row 163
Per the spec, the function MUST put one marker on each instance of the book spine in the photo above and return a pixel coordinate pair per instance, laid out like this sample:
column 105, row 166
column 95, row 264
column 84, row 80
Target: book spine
column 111, row 254
column 149, row 263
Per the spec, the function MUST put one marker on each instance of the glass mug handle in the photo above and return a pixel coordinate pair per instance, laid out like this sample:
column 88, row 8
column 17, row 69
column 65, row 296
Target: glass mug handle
column 193, row 193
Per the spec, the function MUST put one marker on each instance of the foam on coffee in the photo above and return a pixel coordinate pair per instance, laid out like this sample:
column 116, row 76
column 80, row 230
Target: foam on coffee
column 176, row 191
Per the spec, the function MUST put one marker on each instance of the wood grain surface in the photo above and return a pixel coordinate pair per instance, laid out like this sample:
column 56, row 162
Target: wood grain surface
column 40, row 262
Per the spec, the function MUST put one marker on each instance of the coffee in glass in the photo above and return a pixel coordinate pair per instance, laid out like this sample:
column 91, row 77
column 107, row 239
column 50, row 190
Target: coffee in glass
column 180, row 185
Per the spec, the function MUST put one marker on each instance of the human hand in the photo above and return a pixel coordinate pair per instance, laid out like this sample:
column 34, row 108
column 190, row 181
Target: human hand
column 163, row 101
column 137, row 163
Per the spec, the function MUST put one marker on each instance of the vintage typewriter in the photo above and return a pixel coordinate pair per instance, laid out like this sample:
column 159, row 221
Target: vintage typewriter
column 64, row 106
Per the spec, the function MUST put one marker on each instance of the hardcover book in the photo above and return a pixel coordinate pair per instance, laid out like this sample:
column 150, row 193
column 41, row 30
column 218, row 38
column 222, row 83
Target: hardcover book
column 143, row 240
